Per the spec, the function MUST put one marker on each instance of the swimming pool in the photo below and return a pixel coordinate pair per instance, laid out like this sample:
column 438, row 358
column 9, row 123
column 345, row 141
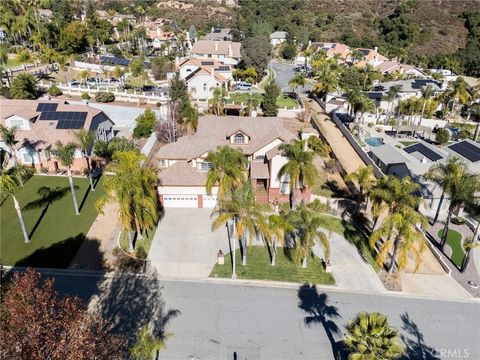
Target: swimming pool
column 374, row 141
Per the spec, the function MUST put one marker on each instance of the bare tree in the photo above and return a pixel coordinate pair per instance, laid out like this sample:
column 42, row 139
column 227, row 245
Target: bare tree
column 169, row 129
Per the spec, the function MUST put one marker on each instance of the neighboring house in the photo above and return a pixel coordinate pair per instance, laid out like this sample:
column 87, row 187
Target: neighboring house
column 332, row 49
column 225, row 51
column 117, row 18
column 183, row 165
column 392, row 67
column 3, row 35
column 188, row 66
column 159, row 38
column 278, row 37
column 40, row 124
column 219, row 35
column 371, row 57
column 202, row 81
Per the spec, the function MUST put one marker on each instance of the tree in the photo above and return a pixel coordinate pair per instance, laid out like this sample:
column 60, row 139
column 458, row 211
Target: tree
column 296, row 81
column 145, row 124
column 326, row 74
column 158, row 67
column 427, row 94
column 392, row 95
column 133, row 187
column 66, row 153
column 8, row 137
column 256, row 52
column 442, row 136
column 279, row 225
column 169, row 130
column 244, row 213
column 37, row 323
column 54, row 90
column 299, row 168
column 227, row 171
column 370, row 336
column 147, row 346
column 24, row 86
column 457, row 93
column 218, row 100
column 8, row 186
column 73, row 37
column 289, row 50
column 269, row 103
column 86, row 139
column 475, row 114
column 363, row 176
column 137, row 67
column 307, row 223
column 106, row 149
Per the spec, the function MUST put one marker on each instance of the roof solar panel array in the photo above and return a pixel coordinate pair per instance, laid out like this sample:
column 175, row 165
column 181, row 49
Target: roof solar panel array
column 424, row 150
column 112, row 60
column 467, row 150
column 41, row 107
column 66, row 119
column 207, row 63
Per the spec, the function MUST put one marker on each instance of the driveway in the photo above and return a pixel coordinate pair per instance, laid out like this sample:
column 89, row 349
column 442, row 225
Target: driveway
column 283, row 74
column 184, row 245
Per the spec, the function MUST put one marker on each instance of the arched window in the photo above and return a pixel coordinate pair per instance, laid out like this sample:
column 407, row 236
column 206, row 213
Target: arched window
column 239, row 138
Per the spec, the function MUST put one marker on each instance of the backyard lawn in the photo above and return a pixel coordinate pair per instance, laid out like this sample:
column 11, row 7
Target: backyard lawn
column 258, row 268
column 242, row 97
column 55, row 231
column 454, row 240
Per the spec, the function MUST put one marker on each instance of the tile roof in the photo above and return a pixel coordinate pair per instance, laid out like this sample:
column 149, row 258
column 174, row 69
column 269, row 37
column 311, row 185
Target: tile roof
column 259, row 170
column 281, row 35
column 182, row 173
column 203, row 47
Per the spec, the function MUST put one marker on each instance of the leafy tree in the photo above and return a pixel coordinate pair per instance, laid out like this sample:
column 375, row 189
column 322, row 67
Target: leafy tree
column 73, row 37
column 133, row 187
column 227, row 171
column 8, row 186
column 86, row 139
column 37, row 323
column 326, row 74
column 24, row 86
column 299, row 168
column 442, row 136
column 289, row 50
column 159, row 65
column 256, row 52
column 370, row 336
column 145, row 123
column 137, row 67
column 269, row 103
column 85, row 96
column 66, row 153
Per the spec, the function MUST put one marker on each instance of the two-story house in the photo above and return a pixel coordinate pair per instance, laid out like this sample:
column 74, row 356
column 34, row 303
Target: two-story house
column 40, row 124
column 227, row 52
column 184, row 167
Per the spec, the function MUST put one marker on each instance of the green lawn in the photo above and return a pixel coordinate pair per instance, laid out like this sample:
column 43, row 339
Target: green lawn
column 142, row 246
column 286, row 101
column 454, row 240
column 258, row 268
column 56, row 232
column 13, row 62
column 408, row 142
column 242, row 97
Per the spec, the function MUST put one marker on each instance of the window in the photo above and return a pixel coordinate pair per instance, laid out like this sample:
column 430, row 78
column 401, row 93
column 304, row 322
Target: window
column 209, row 55
column 239, row 139
column 260, row 157
column 205, row 87
column 285, row 185
column 188, row 70
column 17, row 123
column 205, row 166
column 162, row 163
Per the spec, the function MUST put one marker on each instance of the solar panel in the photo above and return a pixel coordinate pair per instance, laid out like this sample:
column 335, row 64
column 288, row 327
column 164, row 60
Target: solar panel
column 224, row 68
column 207, row 63
column 421, row 148
column 467, row 150
column 46, row 107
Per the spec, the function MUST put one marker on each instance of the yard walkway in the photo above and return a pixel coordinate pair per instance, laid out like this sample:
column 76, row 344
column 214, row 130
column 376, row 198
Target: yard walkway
column 95, row 253
column 344, row 152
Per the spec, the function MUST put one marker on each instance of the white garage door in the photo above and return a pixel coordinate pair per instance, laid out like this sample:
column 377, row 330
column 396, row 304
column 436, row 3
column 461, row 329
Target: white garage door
column 209, row 201
column 180, row 201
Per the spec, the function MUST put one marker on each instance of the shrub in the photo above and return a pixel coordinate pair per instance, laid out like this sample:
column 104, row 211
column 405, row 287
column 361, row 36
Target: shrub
column 458, row 220
column 22, row 172
column 5, row 91
column 464, row 134
column 104, row 97
column 145, row 124
column 24, row 87
column 289, row 51
column 55, row 90
column 85, row 96
column 442, row 136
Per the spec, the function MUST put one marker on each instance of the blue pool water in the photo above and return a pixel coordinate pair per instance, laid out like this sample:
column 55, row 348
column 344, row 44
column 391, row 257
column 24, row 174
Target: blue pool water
column 374, row 141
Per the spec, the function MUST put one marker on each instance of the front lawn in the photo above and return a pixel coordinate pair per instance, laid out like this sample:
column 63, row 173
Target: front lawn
column 55, row 231
column 242, row 97
column 258, row 268
column 454, row 240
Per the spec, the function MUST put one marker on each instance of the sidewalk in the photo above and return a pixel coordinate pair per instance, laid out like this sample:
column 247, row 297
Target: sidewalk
column 344, row 152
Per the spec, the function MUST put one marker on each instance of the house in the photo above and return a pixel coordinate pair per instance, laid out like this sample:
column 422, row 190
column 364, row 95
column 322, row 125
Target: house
column 278, row 37
column 41, row 123
column 219, row 35
column 183, row 165
column 202, row 81
column 159, row 38
column 332, row 49
column 225, row 51
column 187, row 66
column 392, row 67
column 371, row 57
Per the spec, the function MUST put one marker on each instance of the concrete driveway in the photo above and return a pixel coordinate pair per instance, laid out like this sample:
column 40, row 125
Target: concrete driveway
column 184, row 245
column 283, row 74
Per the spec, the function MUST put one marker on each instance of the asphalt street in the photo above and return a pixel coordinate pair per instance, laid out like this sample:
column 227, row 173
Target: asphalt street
column 283, row 74
column 226, row 321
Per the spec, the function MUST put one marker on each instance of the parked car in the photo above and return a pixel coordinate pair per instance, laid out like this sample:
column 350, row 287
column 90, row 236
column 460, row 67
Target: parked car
column 149, row 88
column 243, row 86
column 74, row 83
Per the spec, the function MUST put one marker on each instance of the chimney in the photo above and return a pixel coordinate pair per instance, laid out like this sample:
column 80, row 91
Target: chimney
column 216, row 45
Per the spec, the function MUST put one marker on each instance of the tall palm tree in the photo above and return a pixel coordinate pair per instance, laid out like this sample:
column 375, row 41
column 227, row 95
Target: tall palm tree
column 247, row 216
column 8, row 137
column 427, row 94
column 307, row 222
column 474, row 112
column 365, row 180
column 279, row 225
column 8, row 186
column 296, row 81
column 86, row 140
column 370, row 336
column 66, row 153
column 299, row 168
column 218, row 100
column 458, row 93
column 228, row 170
column 392, row 95
column 352, row 95
column 133, row 187
column 327, row 78
column 362, row 105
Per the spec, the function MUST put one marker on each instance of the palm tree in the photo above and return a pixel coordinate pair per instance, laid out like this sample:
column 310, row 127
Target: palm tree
column 133, row 187
column 66, row 153
column 246, row 215
column 352, row 95
column 299, row 168
column 8, row 186
column 228, row 170
column 327, row 76
column 427, row 94
column 458, row 92
column 365, row 180
column 474, row 112
column 252, row 103
column 147, row 346
column 8, row 137
column 392, row 95
column 370, row 336
column 279, row 225
column 218, row 100
column 307, row 222
column 296, row 81
column 362, row 105
column 86, row 139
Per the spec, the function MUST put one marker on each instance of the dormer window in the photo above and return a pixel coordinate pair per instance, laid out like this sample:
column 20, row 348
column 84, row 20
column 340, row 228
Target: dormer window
column 239, row 138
